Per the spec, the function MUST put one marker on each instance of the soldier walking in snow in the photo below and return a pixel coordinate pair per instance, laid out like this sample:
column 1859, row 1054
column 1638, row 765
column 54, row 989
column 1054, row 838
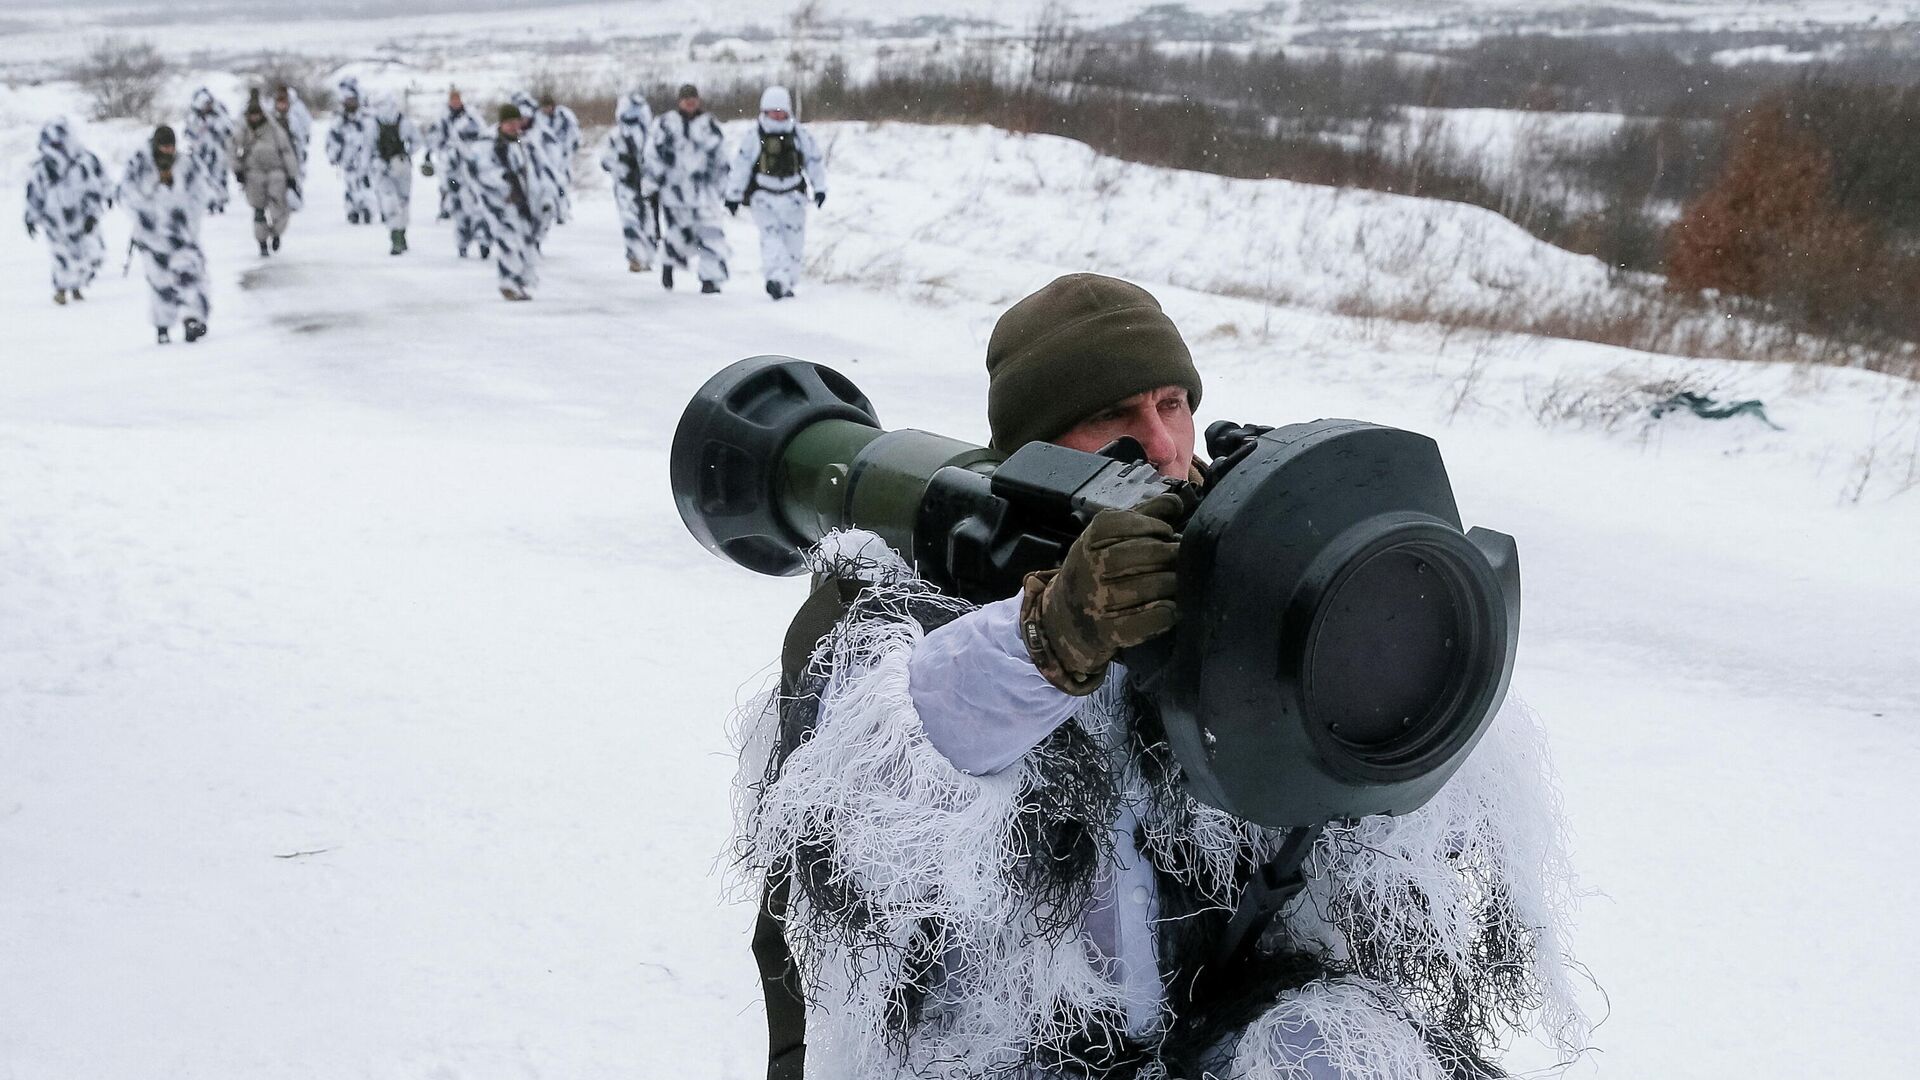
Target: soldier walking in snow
column 209, row 133
column 776, row 163
column 516, row 203
column 436, row 135
column 622, row 158
column 166, row 195
column 546, row 152
column 350, row 149
column 67, row 194
column 683, row 172
column 455, row 137
column 394, row 142
column 559, row 131
column 292, row 116
column 266, row 165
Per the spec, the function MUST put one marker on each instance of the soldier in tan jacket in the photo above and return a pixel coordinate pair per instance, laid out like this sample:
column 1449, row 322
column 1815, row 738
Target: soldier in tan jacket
column 266, row 165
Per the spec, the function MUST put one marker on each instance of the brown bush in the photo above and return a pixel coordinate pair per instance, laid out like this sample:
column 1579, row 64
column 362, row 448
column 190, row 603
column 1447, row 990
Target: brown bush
column 1770, row 228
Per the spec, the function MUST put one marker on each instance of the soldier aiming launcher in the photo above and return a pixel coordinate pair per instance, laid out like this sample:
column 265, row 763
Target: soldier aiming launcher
column 1342, row 643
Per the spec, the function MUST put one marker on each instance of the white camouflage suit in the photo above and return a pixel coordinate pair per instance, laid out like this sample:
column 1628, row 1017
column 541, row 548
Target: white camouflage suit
column 623, row 158
column 550, row 151
column 455, row 137
column 560, row 138
column 166, row 230
column 209, row 131
column 777, row 161
column 298, row 124
column 517, row 206
column 685, row 168
column 350, row 149
column 393, row 176
column 67, row 195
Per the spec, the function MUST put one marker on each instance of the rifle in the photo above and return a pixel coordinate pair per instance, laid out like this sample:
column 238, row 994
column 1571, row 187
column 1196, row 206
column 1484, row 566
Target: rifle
column 131, row 244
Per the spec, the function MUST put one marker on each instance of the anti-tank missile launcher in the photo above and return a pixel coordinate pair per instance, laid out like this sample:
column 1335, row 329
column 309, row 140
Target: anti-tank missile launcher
column 1342, row 642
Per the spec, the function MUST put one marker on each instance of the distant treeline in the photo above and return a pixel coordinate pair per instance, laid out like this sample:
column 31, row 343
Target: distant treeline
column 1341, row 120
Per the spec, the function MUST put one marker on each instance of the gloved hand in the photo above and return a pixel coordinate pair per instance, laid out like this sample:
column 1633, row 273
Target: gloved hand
column 1114, row 590
column 88, row 225
column 426, row 168
column 819, row 199
column 32, row 230
column 733, row 207
column 240, row 177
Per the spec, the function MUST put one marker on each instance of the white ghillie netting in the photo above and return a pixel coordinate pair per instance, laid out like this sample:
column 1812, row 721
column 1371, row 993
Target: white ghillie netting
column 1464, row 905
column 930, row 945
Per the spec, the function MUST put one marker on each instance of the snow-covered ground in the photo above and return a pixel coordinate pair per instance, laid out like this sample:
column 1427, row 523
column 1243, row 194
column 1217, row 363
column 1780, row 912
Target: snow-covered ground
column 363, row 701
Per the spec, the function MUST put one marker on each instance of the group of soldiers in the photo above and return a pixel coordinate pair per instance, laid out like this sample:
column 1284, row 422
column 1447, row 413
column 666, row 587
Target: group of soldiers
column 166, row 194
column 502, row 186
column 671, row 176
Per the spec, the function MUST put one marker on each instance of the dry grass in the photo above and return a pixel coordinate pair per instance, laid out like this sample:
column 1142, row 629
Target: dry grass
column 305, row 75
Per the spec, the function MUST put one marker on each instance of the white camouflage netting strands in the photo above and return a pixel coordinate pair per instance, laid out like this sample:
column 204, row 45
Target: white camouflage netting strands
column 1452, row 918
column 1474, row 886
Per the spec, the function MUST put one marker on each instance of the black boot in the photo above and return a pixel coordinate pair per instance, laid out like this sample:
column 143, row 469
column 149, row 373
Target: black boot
column 399, row 242
column 773, row 289
column 162, row 334
column 264, row 252
column 276, row 241
column 666, row 276
column 486, row 252
column 76, row 295
column 195, row 330
column 709, row 286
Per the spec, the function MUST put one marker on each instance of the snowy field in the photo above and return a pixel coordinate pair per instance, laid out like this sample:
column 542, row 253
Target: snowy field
column 363, row 701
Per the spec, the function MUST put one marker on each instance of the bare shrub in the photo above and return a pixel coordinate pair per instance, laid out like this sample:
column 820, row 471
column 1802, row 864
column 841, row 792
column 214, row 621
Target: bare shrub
column 1609, row 402
column 122, row 77
column 304, row 76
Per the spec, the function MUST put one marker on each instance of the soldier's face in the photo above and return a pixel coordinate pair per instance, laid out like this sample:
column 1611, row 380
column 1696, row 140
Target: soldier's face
column 778, row 115
column 280, row 105
column 689, row 105
column 454, row 102
column 1160, row 419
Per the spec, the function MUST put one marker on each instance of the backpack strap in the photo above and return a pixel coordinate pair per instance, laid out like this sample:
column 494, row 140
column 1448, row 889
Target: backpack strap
column 779, row 979
column 780, row 985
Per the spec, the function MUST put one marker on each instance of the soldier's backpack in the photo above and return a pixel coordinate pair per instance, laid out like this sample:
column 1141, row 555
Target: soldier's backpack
column 390, row 145
column 779, row 154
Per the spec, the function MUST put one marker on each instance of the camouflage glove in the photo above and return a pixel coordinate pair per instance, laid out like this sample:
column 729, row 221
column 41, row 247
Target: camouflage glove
column 1115, row 590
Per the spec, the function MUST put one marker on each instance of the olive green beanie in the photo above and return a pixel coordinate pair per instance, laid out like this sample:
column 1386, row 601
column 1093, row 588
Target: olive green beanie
column 1074, row 348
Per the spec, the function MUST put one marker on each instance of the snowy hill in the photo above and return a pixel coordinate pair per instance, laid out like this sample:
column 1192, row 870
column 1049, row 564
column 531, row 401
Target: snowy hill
column 363, row 699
